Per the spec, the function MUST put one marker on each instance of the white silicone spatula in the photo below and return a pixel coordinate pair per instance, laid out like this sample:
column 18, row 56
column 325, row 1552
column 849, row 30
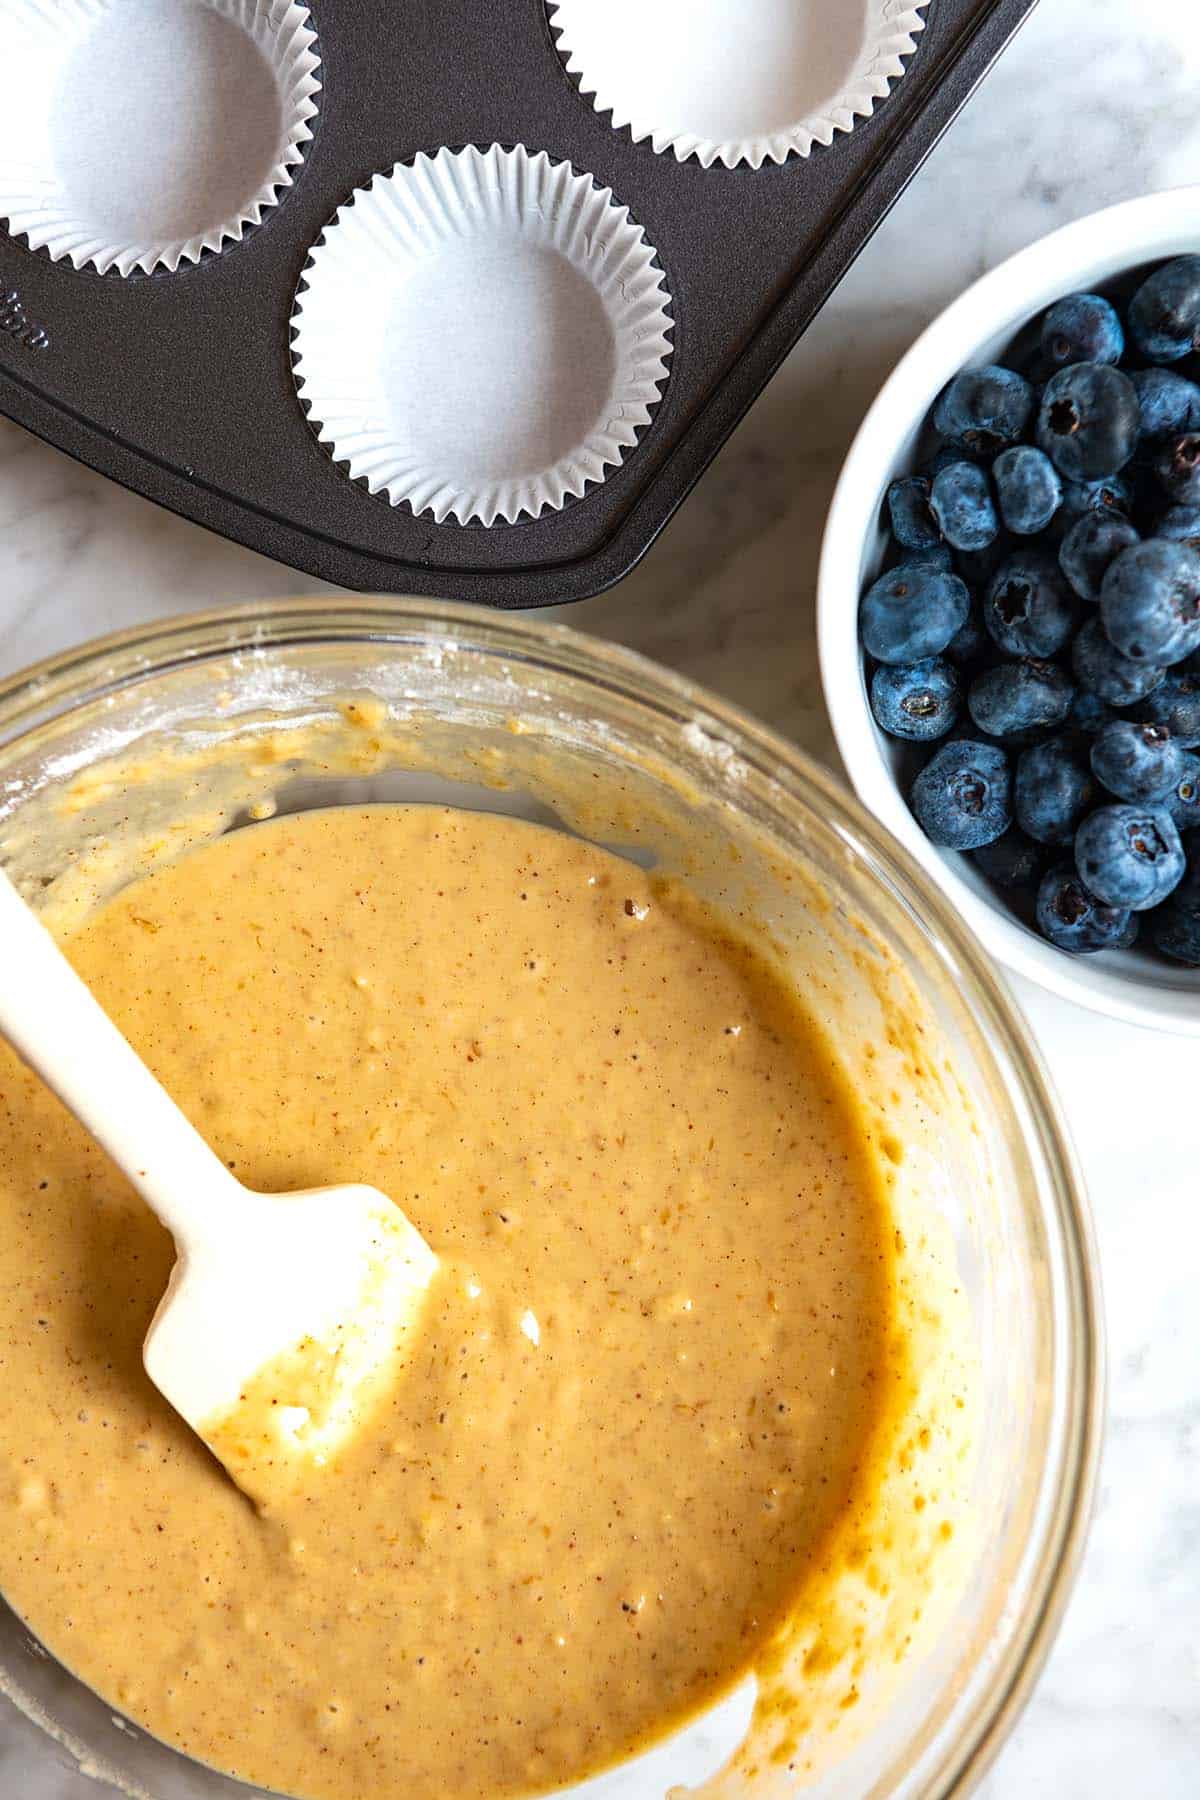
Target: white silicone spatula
column 336, row 1274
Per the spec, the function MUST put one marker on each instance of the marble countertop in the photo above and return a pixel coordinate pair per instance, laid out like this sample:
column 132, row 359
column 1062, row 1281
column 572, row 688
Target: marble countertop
column 1096, row 100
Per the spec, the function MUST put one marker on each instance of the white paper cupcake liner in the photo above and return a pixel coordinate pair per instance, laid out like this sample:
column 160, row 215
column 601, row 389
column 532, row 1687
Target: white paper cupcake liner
column 481, row 334
column 137, row 134
column 736, row 83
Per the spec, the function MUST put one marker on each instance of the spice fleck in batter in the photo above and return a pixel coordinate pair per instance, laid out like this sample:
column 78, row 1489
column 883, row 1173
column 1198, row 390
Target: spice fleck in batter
column 649, row 1372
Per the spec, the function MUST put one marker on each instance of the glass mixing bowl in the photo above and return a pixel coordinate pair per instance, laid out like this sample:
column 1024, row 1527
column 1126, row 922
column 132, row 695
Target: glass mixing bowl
column 228, row 716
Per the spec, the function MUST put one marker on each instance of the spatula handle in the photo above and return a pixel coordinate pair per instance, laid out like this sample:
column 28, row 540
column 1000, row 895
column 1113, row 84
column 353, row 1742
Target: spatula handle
column 59, row 1028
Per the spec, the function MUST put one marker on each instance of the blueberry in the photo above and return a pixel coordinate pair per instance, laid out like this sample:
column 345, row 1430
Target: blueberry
column 1177, row 467
column 945, row 457
column 961, row 502
column 1028, row 488
column 1164, row 314
column 1169, row 403
column 1038, row 499
column 1011, row 861
column 1088, row 548
column 962, row 797
column 912, row 613
column 978, row 566
column 1183, row 801
column 1082, row 328
column 919, row 701
column 1129, row 855
column 1052, row 791
column 1136, row 762
column 1175, row 928
column 1028, row 609
column 1074, row 919
column 913, row 525
column 1150, row 602
column 1019, row 698
column 1089, row 714
column 1103, row 671
column 1113, row 493
column 970, row 640
column 1088, row 422
column 986, row 409
column 1181, row 524
column 940, row 557
column 1176, row 932
column 1175, row 703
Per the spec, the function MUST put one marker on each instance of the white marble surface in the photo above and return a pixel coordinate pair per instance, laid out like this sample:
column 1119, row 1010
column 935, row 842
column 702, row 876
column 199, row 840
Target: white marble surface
column 1097, row 100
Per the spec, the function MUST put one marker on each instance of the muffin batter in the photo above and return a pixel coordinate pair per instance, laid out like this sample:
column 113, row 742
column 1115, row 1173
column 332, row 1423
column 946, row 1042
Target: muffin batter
column 651, row 1370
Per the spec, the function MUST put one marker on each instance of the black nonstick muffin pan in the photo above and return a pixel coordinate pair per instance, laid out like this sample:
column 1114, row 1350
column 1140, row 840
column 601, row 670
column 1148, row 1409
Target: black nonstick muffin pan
column 243, row 358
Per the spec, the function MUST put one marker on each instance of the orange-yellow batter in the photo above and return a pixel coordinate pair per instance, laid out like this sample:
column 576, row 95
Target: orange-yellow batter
column 650, row 1371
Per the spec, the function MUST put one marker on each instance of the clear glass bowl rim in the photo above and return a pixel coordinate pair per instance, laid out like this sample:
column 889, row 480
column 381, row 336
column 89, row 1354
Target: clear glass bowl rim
column 49, row 689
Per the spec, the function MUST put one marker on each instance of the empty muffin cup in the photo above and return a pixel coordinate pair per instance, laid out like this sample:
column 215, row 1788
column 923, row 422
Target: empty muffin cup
column 138, row 134
column 744, row 84
column 481, row 334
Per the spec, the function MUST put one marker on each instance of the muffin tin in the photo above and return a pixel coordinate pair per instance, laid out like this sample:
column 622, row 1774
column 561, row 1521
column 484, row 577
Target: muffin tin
column 457, row 299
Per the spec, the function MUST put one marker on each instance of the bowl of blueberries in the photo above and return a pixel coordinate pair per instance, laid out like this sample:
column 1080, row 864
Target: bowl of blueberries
column 1009, row 609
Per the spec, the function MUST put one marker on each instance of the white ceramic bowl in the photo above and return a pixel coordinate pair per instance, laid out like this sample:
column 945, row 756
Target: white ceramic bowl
column 978, row 328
